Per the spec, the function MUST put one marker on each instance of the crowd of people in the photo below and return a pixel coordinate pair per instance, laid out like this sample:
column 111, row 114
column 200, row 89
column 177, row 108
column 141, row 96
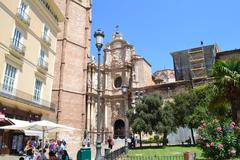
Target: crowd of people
column 50, row 150
column 56, row 149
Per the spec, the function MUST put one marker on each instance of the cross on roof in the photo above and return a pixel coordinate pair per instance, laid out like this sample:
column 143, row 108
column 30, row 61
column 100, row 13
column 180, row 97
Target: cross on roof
column 117, row 28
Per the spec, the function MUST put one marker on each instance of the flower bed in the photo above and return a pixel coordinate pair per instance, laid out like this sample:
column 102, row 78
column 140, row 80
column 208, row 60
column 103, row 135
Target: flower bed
column 219, row 139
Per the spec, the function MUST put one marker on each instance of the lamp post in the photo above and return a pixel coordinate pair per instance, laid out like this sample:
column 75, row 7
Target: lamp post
column 125, row 92
column 138, row 96
column 98, row 35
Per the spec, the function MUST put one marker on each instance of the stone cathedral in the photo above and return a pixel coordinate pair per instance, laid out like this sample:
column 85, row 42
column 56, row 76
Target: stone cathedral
column 121, row 67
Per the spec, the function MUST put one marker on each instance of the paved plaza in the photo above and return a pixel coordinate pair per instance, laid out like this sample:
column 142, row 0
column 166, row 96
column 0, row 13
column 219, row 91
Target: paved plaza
column 7, row 157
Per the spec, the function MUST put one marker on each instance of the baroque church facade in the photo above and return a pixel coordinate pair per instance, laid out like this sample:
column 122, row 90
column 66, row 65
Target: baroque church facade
column 122, row 67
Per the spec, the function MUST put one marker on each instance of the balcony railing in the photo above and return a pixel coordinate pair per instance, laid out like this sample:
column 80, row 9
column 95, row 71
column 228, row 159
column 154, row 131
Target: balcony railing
column 23, row 16
column 8, row 89
column 46, row 39
column 23, row 97
column 18, row 47
column 42, row 64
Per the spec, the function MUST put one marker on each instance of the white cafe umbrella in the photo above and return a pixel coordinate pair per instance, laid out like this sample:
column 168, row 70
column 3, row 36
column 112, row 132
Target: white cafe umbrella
column 43, row 126
column 27, row 132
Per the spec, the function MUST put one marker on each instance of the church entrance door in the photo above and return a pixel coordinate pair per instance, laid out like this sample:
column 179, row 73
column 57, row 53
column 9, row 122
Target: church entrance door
column 119, row 129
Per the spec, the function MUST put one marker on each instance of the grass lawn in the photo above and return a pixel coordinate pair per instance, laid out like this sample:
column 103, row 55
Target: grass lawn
column 165, row 151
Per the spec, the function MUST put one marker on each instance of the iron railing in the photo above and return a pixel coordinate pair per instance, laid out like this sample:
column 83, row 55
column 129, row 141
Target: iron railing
column 42, row 64
column 46, row 38
column 23, row 16
column 155, row 157
column 114, row 155
column 23, row 97
column 18, row 46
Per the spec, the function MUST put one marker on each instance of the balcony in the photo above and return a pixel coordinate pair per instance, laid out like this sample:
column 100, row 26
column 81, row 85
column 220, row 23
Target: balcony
column 18, row 49
column 19, row 97
column 8, row 89
column 23, row 16
column 42, row 65
column 46, row 39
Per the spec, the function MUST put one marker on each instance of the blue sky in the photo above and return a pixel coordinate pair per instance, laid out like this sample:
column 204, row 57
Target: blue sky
column 158, row 27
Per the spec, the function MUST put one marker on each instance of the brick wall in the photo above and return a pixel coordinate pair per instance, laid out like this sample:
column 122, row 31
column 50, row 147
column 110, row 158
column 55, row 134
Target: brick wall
column 69, row 88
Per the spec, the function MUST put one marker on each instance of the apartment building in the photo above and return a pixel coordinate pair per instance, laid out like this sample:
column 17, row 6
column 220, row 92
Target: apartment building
column 28, row 42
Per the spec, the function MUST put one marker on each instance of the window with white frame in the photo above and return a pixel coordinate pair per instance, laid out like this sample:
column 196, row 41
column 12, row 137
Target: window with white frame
column 17, row 38
column 42, row 57
column 46, row 31
column 9, row 79
column 37, row 91
column 22, row 10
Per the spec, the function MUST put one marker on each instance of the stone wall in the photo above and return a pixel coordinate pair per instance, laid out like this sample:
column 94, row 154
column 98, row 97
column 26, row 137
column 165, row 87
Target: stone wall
column 166, row 90
column 229, row 55
column 142, row 73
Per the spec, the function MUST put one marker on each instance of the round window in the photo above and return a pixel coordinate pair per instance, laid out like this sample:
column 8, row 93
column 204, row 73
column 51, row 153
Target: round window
column 118, row 82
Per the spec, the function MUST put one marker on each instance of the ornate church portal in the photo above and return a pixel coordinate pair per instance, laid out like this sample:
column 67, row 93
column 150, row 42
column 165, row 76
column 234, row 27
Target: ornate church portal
column 119, row 129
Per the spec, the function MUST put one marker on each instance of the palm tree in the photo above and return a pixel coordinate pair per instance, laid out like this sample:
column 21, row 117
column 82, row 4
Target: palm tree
column 227, row 85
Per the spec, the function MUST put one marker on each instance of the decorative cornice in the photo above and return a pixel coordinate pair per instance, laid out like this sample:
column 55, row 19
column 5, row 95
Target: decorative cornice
column 45, row 14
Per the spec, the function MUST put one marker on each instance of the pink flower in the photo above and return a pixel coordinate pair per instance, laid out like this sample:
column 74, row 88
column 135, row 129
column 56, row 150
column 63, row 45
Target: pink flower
column 212, row 144
column 220, row 146
column 219, row 129
column 233, row 125
column 207, row 145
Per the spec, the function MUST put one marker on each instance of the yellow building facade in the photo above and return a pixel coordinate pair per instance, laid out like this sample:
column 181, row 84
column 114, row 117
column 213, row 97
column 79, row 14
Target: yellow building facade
column 28, row 42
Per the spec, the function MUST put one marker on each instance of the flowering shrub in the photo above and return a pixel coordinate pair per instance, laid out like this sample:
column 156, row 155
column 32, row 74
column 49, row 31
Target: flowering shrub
column 219, row 139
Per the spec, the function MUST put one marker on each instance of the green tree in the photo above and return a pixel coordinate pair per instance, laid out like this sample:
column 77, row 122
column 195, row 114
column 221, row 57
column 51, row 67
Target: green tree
column 166, row 122
column 190, row 107
column 227, row 86
column 138, row 120
column 149, row 116
column 143, row 117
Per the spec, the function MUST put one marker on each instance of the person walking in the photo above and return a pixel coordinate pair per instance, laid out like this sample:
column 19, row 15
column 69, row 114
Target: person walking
column 110, row 142
column 29, row 150
column 52, row 150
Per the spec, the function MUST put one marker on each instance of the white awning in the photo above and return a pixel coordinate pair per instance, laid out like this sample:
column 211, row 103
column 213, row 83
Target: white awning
column 33, row 133
column 18, row 122
column 27, row 132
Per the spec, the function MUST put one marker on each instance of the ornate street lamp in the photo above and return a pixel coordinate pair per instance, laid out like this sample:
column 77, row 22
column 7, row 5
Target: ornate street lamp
column 125, row 92
column 98, row 35
column 138, row 98
column 139, row 95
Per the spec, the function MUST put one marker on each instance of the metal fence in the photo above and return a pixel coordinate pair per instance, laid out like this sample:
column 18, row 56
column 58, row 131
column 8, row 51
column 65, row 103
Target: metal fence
column 175, row 157
column 117, row 154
